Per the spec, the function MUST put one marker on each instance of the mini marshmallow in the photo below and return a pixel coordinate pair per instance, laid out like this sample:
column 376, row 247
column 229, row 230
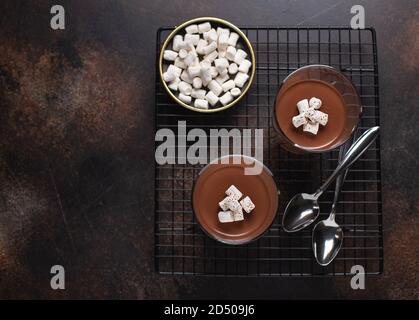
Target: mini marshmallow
column 214, row 72
column 194, row 71
column 192, row 38
column 241, row 79
column 178, row 43
column 238, row 216
column 225, row 216
column 184, row 98
column 185, row 77
column 223, row 41
column 234, row 205
column 302, row 105
column 169, row 55
column 233, row 192
column 245, row 66
column 221, row 64
column 223, row 73
column 205, row 72
column 222, row 78
column 185, row 88
column 183, row 45
column 232, row 40
column 240, row 56
column 226, row 98
column 309, row 113
column 209, row 48
column 211, row 56
column 180, row 63
column 193, row 28
column 174, row 84
column 311, row 127
column 235, row 92
column 211, row 98
column 215, row 87
column 211, row 35
column 201, row 45
column 224, row 203
column 204, row 27
column 205, row 64
column 222, row 30
column 190, row 47
column 190, row 59
column 222, row 53
column 227, row 86
column 320, row 117
column 206, row 81
column 169, row 76
column 197, row 83
column 233, row 68
column 198, row 93
column 230, row 53
column 247, row 204
column 315, row 103
column 183, row 53
column 299, row 120
column 201, row 104
column 175, row 70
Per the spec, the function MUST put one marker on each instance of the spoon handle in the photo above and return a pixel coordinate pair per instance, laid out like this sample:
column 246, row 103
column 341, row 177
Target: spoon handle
column 341, row 178
column 354, row 152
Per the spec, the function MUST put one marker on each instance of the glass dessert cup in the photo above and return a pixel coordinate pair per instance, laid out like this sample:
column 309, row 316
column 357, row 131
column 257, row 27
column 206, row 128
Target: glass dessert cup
column 340, row 101
column 209, row 189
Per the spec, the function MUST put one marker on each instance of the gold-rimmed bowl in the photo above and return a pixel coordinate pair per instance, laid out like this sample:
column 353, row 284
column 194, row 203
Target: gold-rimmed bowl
column 215, row 22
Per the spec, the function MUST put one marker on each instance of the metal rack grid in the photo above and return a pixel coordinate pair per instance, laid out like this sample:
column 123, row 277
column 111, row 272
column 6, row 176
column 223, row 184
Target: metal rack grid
column 181, row 247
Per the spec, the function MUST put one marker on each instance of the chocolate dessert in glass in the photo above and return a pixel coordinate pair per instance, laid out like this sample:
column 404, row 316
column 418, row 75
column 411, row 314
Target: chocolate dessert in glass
column 210, row 189
column 339, row 101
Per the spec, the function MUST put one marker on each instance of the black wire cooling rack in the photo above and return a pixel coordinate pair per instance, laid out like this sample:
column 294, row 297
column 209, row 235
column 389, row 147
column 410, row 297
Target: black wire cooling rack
column 181, row 247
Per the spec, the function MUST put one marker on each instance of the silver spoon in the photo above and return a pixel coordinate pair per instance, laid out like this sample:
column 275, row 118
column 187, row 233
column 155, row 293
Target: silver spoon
column 303, row 208
column 327, row 236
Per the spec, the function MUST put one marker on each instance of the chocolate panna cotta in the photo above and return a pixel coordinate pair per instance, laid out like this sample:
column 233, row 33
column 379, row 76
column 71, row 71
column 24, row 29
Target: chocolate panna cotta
column 332, row 104
column 209, row 190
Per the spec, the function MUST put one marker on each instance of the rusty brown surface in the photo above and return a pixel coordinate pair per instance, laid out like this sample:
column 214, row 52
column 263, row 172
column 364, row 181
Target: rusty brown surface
column 77, row 139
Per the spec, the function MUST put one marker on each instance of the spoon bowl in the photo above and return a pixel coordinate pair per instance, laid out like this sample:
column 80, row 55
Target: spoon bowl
column 327, row 240
column 327, row 236
column 301, row 211
column 303, row 208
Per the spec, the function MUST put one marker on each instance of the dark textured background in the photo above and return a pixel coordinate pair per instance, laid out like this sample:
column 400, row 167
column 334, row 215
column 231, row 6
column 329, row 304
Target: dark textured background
column 76, row 147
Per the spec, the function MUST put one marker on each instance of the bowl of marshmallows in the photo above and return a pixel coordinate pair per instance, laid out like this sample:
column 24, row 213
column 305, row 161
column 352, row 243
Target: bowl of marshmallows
column 207, row 64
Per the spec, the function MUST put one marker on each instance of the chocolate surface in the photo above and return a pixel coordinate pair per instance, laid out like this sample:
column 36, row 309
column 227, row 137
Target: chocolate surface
column 210, row 189
column 332, row 104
